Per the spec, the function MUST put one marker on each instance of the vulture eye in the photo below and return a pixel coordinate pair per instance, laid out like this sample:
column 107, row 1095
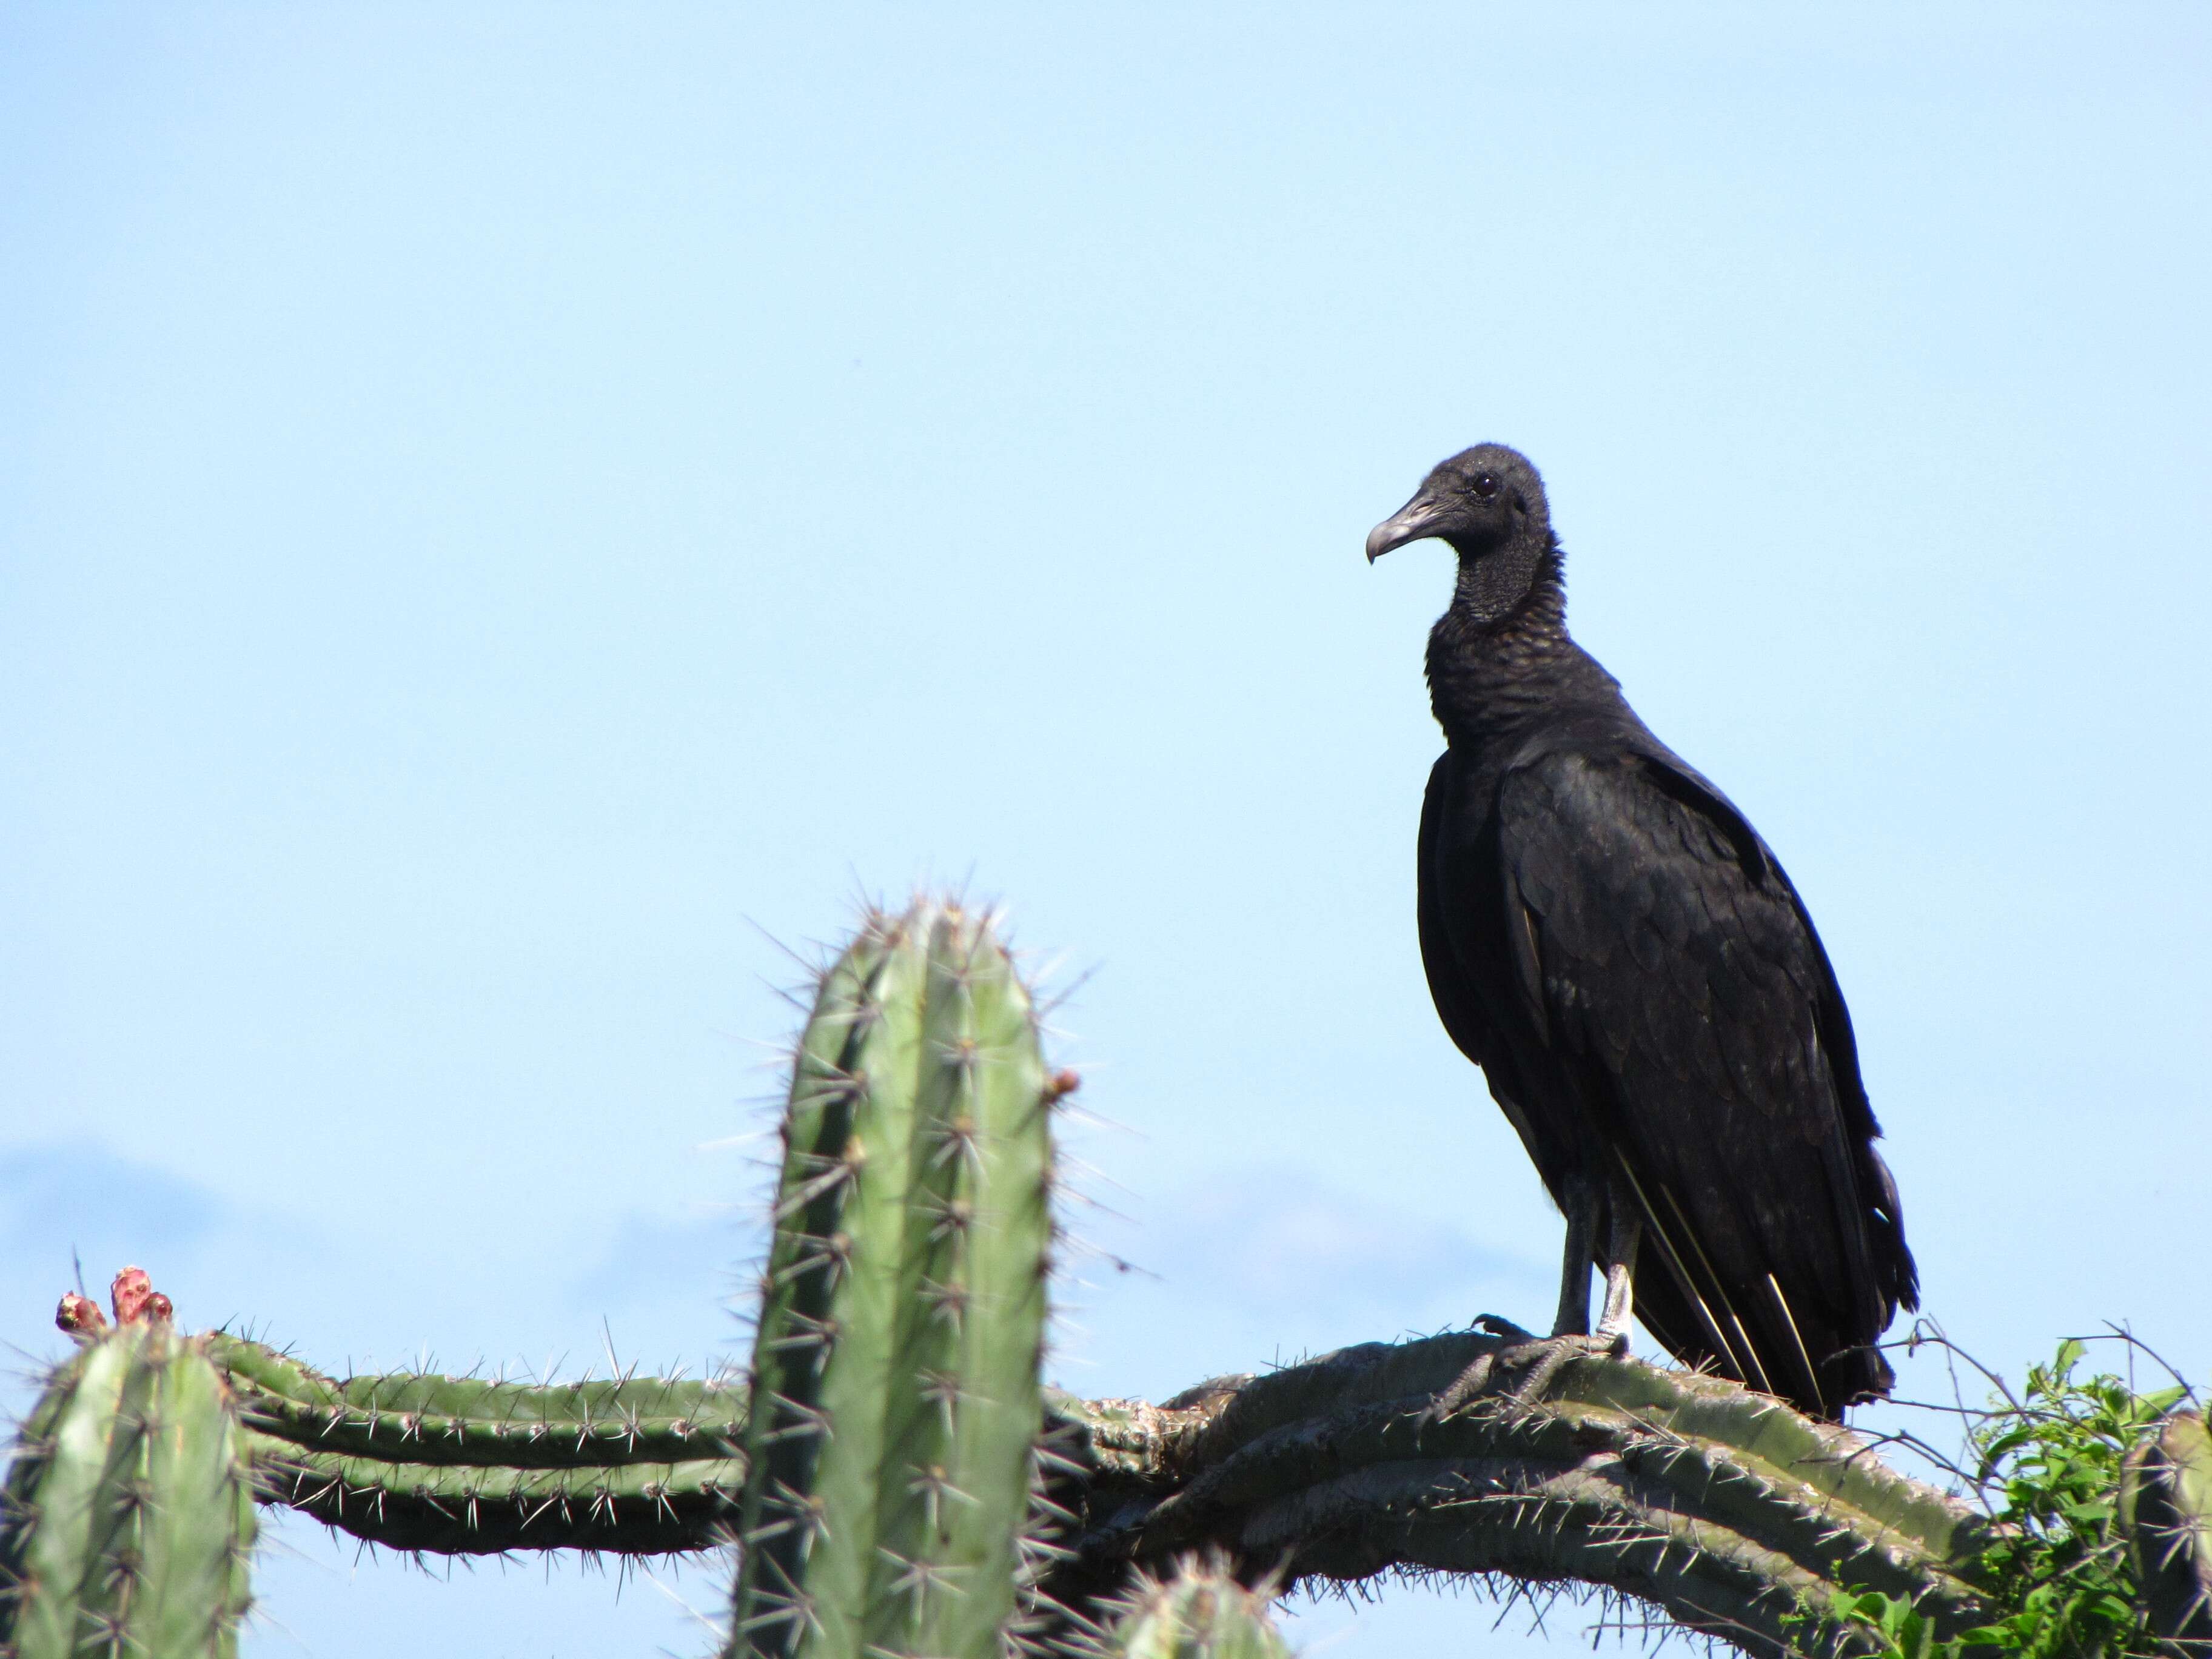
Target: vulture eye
column 1486, row 486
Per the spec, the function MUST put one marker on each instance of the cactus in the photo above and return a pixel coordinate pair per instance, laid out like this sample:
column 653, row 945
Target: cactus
column 2166, row 1509
column 1202, row 1612
column 464, row 1467
column 1722, row 1507
column 887, row 1468
column 1726, row 1508
column 896, row 1403
column 127, row 1520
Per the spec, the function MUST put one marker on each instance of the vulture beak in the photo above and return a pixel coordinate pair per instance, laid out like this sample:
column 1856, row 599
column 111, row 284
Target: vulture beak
column 1419, row 518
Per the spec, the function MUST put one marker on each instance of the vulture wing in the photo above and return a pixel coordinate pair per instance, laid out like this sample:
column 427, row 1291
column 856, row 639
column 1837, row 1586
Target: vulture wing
column 1650, row 1000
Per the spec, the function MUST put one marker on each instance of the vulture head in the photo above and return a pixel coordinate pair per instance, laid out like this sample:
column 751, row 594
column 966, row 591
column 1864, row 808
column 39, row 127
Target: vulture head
column 1481, row 499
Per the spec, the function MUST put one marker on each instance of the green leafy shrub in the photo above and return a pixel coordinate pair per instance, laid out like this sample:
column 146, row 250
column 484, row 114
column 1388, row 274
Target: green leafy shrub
column 2047, row 1464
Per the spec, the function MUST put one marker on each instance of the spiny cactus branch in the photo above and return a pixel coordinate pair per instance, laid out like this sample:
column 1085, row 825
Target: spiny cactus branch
column 126, row 1522
column 1728, row 1511
column 460, row 1466
column 1201, row 1611
column 423, row 1418
column 893, row 1441
column 2166, row 1509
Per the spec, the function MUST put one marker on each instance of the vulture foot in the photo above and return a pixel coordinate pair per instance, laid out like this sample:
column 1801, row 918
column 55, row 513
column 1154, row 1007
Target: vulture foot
column 1522, row 1371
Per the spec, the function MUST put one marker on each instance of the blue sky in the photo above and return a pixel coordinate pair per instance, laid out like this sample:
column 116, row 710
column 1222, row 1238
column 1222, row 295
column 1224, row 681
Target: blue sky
column 508, row 513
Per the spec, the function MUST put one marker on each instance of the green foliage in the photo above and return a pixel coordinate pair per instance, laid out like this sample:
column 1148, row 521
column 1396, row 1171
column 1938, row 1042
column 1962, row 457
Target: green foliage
column 2056, row 1572
column 1887, row 1626
column 2061, row 1568
column 127, row 1520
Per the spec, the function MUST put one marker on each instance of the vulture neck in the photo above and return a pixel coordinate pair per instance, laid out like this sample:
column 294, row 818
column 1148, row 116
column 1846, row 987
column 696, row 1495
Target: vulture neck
column 1500, row 659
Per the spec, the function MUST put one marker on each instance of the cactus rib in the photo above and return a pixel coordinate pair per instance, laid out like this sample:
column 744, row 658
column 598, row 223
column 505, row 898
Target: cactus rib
column 641, row 1509
column 424, row 1418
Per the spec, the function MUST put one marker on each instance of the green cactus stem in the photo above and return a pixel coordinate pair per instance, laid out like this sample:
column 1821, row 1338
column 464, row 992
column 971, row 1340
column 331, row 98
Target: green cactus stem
column 2166, row 1509
column 127, row 1521
column 464, row 1466
column 1200, row 1611
column 424, row 1418
column 1725, row 1509
column 896, row 1403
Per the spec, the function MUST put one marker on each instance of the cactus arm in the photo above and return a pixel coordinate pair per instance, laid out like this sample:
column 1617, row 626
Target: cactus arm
column 1728, row 1511
column 449, row 1508
column 897, row 1405
column 507, row 1468
column 1732, row 1514
column 1201, row 1611
column 2165, row 1513
column 423, row 1418
column 462, row 1466
column 128, row 1518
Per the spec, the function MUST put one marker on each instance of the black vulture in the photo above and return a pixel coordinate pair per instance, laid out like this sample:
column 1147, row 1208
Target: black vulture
column 1610, row 940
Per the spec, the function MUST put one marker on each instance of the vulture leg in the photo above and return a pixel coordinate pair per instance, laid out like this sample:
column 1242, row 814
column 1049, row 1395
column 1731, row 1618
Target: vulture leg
column 1623, row 1233
column 1570, row 1337
column 1575, row 1270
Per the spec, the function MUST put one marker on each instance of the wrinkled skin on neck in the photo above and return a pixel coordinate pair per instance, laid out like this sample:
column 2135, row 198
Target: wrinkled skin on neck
column 1494, row 579
column 1500, row 654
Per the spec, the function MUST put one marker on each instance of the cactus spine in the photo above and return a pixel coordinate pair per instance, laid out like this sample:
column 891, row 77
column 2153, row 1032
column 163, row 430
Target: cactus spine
column 896, row 1403
column 2166, row 1509
column 128, row 1517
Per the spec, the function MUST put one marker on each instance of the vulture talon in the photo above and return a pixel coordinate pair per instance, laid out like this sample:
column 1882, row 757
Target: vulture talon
column 1499, row 1325
column 1537, row 1360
